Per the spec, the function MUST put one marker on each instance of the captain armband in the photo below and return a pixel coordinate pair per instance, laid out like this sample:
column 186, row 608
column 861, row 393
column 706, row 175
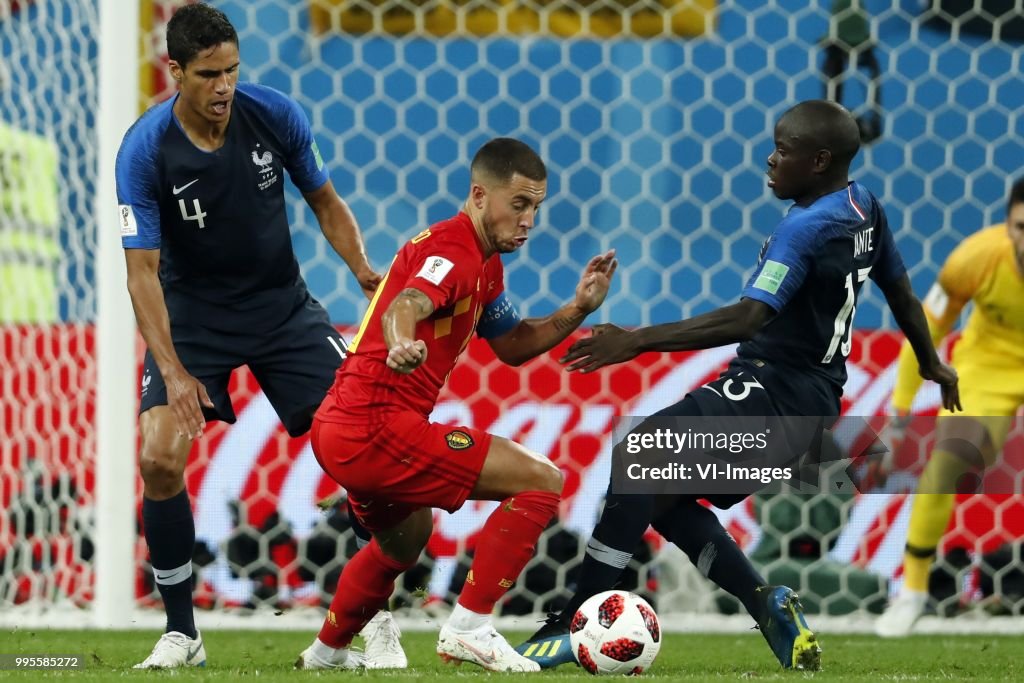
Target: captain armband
column 498, row 318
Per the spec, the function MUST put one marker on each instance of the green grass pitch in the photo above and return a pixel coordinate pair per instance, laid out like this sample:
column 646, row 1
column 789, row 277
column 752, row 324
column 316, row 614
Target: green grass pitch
column 268, row 655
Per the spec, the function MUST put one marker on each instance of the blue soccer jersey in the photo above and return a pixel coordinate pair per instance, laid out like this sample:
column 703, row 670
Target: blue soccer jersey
column 218, row 218
column 811, row 270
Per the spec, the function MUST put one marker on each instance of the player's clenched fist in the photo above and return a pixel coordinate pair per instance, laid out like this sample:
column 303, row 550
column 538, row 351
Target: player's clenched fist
column 368, row 281
column 405, row 356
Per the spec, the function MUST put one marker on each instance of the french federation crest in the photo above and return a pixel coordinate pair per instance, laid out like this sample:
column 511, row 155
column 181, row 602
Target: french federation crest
column 264, row 161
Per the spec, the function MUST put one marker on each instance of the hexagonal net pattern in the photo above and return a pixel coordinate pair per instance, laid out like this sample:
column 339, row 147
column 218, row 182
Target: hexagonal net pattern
column 48, row 161
column 655, row 141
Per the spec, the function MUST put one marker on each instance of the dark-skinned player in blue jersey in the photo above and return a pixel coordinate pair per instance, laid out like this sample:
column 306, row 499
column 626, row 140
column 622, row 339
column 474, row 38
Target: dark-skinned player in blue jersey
column 215, row 285
column 793, row 322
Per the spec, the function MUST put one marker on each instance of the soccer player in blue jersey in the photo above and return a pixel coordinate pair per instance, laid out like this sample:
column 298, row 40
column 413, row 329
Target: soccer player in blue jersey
column 793, row 322
column 215, row 284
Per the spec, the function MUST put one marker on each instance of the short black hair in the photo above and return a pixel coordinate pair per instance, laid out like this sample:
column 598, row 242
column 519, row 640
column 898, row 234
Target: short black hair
column 195, row 28
column 1016, row 194
column 829, row 125
column 501, row 158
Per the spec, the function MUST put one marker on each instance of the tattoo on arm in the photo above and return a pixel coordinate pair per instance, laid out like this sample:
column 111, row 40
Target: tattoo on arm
column 424, row 306
column 566, row 321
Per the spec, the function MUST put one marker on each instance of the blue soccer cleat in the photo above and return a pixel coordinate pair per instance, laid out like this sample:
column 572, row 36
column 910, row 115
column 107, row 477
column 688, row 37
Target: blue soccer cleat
column 549, row 646
column 784, row 627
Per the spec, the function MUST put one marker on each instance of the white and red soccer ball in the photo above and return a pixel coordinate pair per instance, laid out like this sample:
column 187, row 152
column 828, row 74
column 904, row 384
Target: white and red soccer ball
column 615, row 632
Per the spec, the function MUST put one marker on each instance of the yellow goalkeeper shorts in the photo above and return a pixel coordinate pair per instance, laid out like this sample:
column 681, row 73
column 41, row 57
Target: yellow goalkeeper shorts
column 992, row 396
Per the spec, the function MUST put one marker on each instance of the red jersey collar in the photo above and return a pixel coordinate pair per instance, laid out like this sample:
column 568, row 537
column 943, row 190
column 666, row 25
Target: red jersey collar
column 463, row 218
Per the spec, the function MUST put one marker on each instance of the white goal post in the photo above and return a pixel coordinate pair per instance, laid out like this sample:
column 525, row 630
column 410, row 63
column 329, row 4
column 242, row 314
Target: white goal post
column 116, row 471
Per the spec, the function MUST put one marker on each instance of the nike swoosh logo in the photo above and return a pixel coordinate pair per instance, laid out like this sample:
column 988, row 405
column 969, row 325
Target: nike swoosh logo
column 179, row 190
column 164, row 577
column 485, row 658
column 192, row 653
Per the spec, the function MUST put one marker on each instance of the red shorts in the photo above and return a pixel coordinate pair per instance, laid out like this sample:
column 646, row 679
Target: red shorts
column 400, row 465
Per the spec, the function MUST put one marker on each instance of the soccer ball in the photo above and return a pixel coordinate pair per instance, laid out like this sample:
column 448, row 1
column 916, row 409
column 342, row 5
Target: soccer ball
column 615, row 632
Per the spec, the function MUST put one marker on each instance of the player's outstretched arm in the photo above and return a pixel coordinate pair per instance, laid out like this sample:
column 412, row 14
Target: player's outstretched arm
column 185, row 394
column 910, row 316
column 611, row 344
column 339, row 226
column 941, row 311
column 534, row 336
column 405, row 352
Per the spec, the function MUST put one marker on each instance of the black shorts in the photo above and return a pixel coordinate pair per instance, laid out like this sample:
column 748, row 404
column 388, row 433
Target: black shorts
column 739, row 393
column 294, row 359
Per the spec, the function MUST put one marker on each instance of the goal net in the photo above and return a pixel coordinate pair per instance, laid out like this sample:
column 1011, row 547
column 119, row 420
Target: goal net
column 655, row 119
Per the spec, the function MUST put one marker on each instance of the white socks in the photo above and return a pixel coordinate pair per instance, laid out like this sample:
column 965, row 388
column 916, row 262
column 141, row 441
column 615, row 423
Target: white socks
column 463, row 619
column 328, row 653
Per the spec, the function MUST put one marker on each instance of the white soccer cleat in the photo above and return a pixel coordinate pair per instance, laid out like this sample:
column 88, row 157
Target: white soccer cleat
column 310, row 660
column 383, row 645
column 483, row 646
column 175, row 650
column 902, row 613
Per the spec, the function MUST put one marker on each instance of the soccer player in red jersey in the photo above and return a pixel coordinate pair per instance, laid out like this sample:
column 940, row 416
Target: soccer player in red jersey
column 373, row 436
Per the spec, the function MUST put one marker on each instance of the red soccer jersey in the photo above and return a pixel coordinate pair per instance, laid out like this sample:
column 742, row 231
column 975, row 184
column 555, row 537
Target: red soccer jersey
column 447, row 263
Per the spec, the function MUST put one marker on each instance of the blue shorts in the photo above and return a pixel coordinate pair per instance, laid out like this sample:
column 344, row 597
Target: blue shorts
column 293, row 355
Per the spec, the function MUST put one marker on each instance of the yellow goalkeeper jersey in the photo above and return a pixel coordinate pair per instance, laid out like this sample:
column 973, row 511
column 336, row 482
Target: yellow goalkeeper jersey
column 982, row 269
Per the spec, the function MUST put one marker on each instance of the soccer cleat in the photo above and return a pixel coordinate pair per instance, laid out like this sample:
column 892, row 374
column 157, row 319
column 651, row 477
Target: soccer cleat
column 483, row 646
column 310, row 660
column 549, row 646
column 175, row 650
column 784, row 627
column 902, row 613
column 383, row 644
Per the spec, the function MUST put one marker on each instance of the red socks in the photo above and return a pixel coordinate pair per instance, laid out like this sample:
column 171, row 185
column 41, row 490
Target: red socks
column 366, row 583
column 506, row 544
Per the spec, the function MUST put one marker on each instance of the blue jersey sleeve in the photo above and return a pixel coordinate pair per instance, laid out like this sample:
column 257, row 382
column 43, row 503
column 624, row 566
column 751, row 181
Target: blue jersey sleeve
column 302, row 158
column 782, row 268
column 498, row 317
column 135, row 175
column 889, row 267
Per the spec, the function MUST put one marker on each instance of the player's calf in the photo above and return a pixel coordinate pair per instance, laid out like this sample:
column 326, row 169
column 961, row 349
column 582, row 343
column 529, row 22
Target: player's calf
column 367, row 581
column 507, row 542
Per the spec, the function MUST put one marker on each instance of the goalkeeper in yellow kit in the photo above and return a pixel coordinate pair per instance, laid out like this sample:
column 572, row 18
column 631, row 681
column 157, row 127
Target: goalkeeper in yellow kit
column 988, row 269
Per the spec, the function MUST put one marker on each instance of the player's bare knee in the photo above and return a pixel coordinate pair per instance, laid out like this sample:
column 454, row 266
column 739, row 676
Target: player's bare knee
column 546, row 477
column 162, row 470
column 162, row 475
column 163, row 454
